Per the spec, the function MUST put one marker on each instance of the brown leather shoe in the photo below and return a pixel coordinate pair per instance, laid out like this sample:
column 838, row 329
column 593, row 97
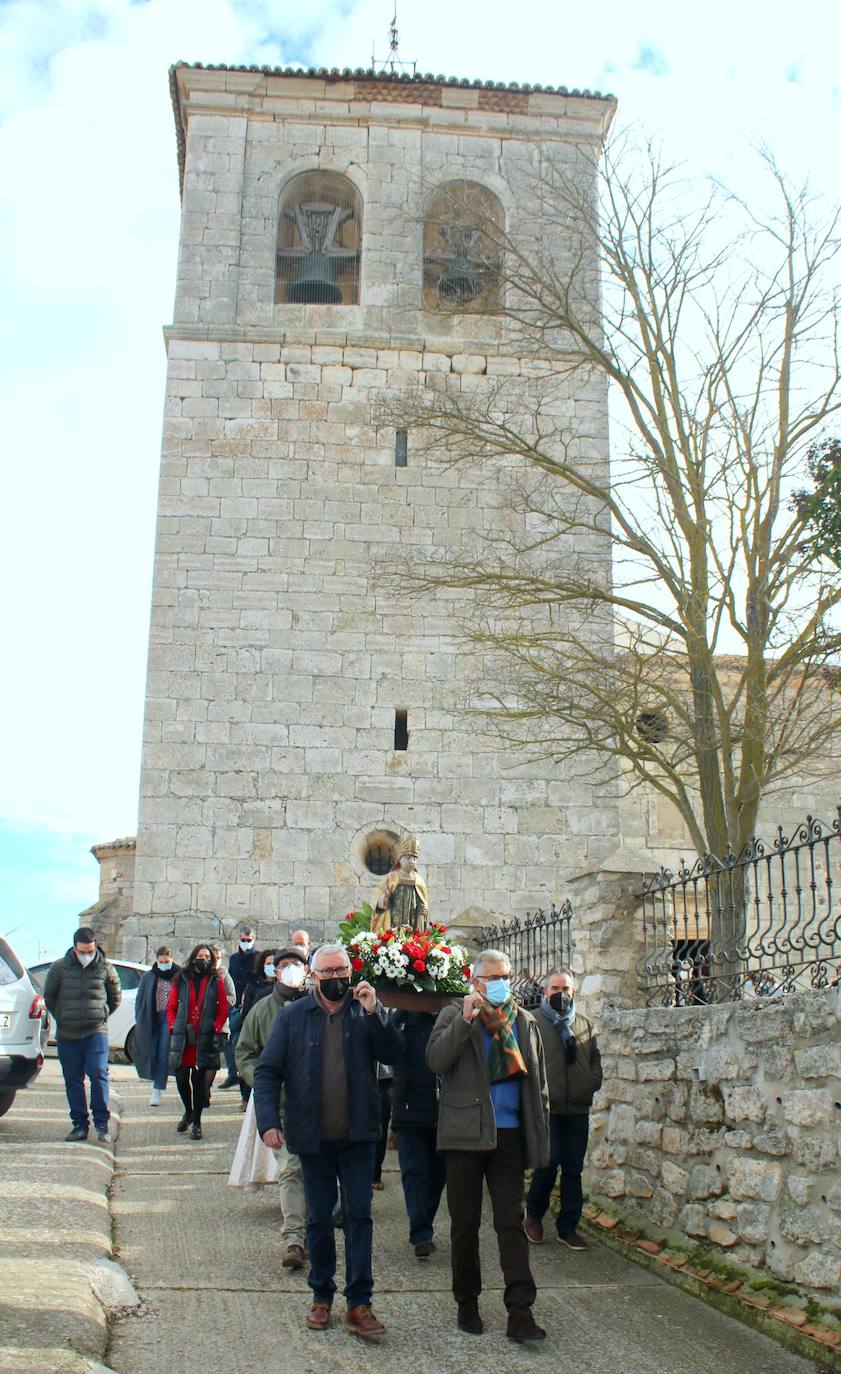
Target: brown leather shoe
column 362, row 1322
column 572, row 1240
column 534, row 1230
column 293, row 1257
column 318, row 1317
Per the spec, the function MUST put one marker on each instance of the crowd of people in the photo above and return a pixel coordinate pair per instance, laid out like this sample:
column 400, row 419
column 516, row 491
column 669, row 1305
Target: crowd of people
column 475, row 1096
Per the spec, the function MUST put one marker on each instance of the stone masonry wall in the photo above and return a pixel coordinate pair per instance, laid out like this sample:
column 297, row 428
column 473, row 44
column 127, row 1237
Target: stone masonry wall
column 722, row 1126
column 278, row 656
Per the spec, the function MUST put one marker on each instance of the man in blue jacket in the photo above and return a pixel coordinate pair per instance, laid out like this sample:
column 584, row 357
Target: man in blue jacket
column 323, row 1051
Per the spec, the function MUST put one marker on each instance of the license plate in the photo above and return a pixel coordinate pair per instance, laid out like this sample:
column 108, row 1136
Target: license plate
column 5, row 1021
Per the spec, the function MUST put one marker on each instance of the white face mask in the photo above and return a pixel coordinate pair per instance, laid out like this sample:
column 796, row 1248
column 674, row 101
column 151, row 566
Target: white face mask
column 85, row 959
column 246, row 945
column 293, row 975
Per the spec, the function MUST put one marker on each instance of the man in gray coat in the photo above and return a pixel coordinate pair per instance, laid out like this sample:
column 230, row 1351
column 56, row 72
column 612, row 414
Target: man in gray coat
column 493, row 1124
column 574, row 1074
column 81, row 991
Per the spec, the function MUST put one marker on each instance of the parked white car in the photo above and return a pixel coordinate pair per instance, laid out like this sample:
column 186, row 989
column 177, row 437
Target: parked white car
column 121, row 1021
column 23, row 1027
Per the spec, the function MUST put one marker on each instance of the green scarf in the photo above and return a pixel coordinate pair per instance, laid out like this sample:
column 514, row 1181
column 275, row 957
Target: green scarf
column 505, row 1059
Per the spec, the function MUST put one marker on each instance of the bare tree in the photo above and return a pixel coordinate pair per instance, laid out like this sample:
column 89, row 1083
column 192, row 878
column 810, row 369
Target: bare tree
column 663, row 618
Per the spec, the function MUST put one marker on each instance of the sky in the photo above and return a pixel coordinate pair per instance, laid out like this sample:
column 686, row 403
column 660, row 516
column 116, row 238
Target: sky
column 89, row 217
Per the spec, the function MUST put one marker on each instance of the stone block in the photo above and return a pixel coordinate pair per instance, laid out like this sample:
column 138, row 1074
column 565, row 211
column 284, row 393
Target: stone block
column 721, row 1235
column 674, row 1178
column 752, row 1220
column 808, row 1106
column 657, row 1070
column 754, row 1178
column 819, row 1271
column 819, row 1061
column 744, row 1103
column 705, row 1182
column 800, row 1188
column 693, row 1220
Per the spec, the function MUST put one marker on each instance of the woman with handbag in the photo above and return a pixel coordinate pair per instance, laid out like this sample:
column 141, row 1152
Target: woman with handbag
column 196, row 1013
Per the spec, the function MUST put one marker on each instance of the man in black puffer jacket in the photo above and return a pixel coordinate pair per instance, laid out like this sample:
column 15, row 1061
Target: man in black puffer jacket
column 414, row 1117
column 80, row 992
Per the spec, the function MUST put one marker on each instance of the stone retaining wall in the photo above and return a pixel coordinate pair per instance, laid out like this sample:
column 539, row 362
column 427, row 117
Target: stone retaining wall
column 722, row 1125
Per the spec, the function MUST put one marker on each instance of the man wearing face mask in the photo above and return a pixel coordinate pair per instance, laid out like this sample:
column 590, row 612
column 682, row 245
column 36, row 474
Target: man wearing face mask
column 289, row 973
column 240, row 966
column 574, row 1073
column 323, row 1051
column 493, row 1124
column 80, row 992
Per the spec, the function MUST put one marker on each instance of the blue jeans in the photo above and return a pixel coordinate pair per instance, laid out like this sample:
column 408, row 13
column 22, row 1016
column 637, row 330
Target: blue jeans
column 567, row 1148
column 160, row 1052
column 352, row 1164
column 78, row 1059
column 422, row 1173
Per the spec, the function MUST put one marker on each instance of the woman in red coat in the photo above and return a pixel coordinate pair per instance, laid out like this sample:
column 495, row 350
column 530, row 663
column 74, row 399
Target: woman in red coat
column 196, row 1013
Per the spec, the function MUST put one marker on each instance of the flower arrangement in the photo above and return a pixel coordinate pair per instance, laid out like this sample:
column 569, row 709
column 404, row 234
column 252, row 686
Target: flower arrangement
column 420, row 960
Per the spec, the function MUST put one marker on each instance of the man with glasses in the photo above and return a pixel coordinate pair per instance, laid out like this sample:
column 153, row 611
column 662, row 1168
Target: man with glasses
column 493, row 1124
column 323, row 1051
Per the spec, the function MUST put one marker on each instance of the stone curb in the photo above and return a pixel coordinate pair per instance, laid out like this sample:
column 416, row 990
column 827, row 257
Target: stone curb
column 787, row 1325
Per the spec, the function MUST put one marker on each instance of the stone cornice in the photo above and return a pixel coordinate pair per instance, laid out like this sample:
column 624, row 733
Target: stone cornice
column 265, row 92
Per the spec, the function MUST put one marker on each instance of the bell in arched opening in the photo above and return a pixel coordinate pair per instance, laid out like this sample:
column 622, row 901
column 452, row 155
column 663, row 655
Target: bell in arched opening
column 318, row 241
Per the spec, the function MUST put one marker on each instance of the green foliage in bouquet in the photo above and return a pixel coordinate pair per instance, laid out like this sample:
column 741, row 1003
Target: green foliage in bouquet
column 355, row 922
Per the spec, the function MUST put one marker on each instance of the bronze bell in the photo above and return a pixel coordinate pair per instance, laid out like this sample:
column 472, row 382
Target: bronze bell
column 462, row 281
column 315, row 282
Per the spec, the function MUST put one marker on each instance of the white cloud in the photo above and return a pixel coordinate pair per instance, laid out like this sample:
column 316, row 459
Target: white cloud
column 88, row 243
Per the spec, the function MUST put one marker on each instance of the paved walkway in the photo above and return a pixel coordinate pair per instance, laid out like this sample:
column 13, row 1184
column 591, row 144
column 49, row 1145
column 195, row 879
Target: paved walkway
column 206, row 1260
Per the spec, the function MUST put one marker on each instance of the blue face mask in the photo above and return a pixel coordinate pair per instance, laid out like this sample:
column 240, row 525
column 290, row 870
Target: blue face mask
column 164, row 968
column 268, row 970
column 497, row 991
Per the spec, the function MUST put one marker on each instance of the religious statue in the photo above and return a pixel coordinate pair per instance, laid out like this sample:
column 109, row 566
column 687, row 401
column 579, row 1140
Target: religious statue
column 401, row 898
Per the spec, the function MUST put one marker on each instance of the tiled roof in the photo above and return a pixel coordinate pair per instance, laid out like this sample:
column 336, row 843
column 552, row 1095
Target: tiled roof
column 492, row 94
column 125, row 842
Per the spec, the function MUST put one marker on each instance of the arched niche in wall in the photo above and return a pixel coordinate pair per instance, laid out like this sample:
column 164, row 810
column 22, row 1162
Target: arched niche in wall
column 319, row 238
column 462, row 249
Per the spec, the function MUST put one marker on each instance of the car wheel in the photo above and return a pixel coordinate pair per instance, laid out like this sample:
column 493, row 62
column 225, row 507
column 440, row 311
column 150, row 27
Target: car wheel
column 129, row 1046
column 7, row 1097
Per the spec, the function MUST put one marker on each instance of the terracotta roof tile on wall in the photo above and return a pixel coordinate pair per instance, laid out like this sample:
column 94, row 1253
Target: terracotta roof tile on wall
column 402, row 88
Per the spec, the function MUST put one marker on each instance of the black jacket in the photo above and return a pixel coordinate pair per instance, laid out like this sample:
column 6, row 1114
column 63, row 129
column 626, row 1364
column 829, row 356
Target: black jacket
column 415, row 1091
column 241, row 967
column 293, row 1059
column 255, row 990
column 81, row 999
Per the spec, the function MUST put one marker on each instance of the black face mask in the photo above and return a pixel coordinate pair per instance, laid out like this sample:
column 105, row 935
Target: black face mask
column 561, row 1002
column 201, row 965
column 334, row 989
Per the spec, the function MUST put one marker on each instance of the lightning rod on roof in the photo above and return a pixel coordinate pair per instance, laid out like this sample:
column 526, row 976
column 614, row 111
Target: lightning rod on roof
column 392, row 63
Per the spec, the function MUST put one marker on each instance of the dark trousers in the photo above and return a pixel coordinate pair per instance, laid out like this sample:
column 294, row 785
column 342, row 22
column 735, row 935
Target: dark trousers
column 192, row 1089
column 384, row 1089
column 422, row 1174
column 504, row 1170
column 160, row 1051
column 350, row 1163
column 80, row 1059
column 567, row 1148
column 234, row 1026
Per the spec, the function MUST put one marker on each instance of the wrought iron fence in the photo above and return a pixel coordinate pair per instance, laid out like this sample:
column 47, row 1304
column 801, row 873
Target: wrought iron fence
column 756, row 924
column 536, row 944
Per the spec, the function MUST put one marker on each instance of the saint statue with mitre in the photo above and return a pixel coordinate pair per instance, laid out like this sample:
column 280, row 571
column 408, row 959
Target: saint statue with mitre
column 401, row 898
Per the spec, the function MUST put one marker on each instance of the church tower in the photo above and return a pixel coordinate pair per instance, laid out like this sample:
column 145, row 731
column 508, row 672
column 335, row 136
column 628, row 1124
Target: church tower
column 299, row 720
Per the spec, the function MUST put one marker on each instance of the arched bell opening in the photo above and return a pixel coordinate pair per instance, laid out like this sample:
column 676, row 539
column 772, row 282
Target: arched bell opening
column 319, row 236
column 462, row 249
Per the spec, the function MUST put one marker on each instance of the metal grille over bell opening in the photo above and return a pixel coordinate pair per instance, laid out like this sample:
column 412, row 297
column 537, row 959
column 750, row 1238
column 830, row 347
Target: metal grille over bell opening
column 461, row 251
column 318, row 239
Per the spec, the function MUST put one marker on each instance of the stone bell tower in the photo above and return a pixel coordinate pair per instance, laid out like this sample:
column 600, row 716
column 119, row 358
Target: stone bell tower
column 299, row 721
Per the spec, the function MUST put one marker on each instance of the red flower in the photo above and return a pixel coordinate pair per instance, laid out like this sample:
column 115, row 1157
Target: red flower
column 445, row 949
column 419, row 965
column 466, row 970
column 357, row 965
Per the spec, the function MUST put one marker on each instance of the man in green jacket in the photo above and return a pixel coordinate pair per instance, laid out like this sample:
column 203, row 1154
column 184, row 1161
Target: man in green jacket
column 493, row 1124
column 81, row 991
column 574, row 1074
column 290, row 969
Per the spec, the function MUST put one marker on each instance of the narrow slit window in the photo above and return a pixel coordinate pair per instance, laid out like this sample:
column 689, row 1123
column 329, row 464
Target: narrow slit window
column 401, row 448
column 401, row 729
